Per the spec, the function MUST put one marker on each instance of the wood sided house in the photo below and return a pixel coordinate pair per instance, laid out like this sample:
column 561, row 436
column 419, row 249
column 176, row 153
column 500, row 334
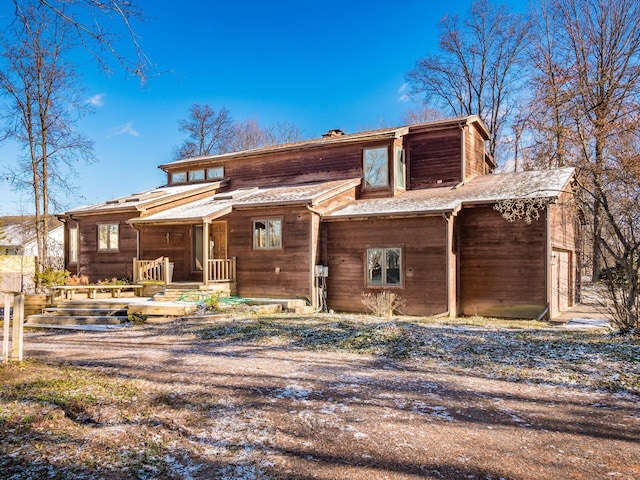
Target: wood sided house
column 408, row 209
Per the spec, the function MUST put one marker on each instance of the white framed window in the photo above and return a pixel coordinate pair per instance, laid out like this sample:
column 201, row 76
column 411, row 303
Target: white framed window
column 400, row 168
column 178, row 177
column 376, row 167
column 73, row 244
column 108, row 236
column 267, row 233
column 215, row 172
column 196, row 175
column 384, row 267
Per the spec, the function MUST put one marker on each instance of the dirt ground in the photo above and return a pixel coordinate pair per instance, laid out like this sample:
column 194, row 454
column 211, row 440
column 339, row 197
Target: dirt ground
column 207, row 409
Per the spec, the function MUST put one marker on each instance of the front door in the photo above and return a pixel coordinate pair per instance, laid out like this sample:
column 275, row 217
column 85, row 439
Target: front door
column 219, row 240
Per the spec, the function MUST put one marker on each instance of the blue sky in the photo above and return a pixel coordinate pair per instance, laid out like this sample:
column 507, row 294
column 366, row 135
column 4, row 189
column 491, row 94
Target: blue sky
column 319, row 65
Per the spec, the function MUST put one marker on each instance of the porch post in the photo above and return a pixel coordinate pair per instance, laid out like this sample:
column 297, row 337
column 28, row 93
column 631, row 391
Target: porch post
column 206, row 245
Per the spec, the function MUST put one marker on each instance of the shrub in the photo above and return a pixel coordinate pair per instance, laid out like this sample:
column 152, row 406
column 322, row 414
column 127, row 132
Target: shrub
column 51, row 277
column 138, row 318
column 212, row 302
column 77, row 280
column 382, row 304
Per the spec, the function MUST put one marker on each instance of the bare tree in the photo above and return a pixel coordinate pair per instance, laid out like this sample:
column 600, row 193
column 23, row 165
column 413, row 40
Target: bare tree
column 208, row 131
column 478, row 68
column 211, row 132
column 41, row 86
column 95, row 23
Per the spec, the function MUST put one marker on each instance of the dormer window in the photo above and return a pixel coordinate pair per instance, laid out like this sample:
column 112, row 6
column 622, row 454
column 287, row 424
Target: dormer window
column 400, row 169
column 215, row 173
column 376, row 167
column 196, row 175
column 178, row 177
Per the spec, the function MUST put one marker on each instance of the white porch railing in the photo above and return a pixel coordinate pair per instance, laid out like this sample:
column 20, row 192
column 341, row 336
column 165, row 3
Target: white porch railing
column 222, row 270
column 157, row 270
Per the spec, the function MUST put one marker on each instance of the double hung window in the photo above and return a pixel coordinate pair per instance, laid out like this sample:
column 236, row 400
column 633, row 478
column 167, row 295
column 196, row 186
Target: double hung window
column 267, row 233
column 108, row 237
column 384, row 267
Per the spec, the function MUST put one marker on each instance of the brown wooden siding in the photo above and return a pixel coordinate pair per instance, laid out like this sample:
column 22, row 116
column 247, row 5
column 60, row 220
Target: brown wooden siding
column 423, row 243
column 102, row 265
column 434, row 158
column 474, row 153
column 173, row 241
column 283, row 272
column 501, row 265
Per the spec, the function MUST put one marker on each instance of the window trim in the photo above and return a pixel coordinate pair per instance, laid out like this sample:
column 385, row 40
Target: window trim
column 366, row 184
column 109, row 248
column 267, row 221
column 384, row 284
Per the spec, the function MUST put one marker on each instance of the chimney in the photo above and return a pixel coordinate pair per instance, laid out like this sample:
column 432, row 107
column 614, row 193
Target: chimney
column 336, row 132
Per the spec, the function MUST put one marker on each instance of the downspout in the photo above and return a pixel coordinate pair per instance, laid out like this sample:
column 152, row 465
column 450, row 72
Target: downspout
column 313, row 247
column 463, row 149
column 548, row 311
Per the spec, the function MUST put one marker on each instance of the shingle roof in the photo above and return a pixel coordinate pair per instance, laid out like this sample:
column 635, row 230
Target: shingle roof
column 481, row 190
column 222, row 203
column 138, row 201
column 18, row 230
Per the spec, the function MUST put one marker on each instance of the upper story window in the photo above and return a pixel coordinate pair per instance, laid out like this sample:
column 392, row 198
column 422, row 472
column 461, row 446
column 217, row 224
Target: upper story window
column 108, row 236
column 400, row 169
column 384, row 267
column 196, row 175
column 178, row 177
column 267, row 233
column 215, row 172
column 376, row 167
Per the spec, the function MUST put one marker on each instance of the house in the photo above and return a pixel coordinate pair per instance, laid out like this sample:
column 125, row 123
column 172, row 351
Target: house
column 409, row 209
column 19, row 250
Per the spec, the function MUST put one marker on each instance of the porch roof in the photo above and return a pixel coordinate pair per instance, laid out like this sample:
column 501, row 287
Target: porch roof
column 147, row 199
column 485, row 189
column 218, row 205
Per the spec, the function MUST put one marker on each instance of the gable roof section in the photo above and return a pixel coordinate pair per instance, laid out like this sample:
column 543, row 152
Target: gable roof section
column 146, row 200
column 208, row 209
column 485, row 189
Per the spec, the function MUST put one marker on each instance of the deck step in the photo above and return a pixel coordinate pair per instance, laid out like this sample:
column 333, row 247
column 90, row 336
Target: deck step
column 82, row 312
column 166, row 309
column 34, row 320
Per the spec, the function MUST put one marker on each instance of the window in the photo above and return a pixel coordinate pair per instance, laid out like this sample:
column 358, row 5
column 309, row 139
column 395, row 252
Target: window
column 400, row 168
column 196, row 175
column 73, row 244
column 215, row 172
column 384, row 267
column 376, row 167
column 178, row 177
column 108, row 237
column 267, row 233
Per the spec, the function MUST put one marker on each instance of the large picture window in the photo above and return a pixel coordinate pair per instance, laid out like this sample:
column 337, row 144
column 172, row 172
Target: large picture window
column 384, row 267
column 376, row 167
column 108, row 236
column 267, row 233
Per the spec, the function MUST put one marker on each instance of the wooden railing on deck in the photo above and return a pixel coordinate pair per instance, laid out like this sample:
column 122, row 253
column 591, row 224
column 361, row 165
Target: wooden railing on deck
column 151, row 270
column 222, row 270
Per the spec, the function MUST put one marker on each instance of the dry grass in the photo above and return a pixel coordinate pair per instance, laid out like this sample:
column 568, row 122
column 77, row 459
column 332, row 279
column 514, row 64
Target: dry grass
column 325, row 396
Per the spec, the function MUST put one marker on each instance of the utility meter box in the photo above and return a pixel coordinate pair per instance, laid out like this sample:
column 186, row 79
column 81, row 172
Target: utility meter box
column 322, row 271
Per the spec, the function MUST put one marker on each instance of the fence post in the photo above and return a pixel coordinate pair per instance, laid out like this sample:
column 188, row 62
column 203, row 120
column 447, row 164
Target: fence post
column 5, row 335
column 18, row 327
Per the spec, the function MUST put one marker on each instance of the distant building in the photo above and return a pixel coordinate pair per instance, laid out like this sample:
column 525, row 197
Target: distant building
column 19, row 251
